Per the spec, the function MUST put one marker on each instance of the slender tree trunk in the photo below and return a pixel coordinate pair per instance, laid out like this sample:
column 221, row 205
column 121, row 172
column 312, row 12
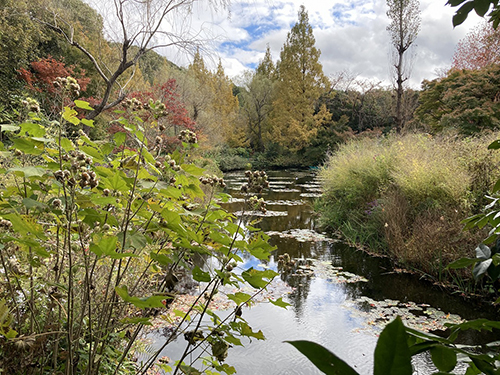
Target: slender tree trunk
column 399, row 93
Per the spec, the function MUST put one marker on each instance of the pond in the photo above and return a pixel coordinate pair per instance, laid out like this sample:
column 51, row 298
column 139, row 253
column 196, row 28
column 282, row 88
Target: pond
column 339, row 297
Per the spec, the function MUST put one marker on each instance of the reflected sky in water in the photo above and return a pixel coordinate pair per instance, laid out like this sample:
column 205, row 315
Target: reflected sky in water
column 318, row 306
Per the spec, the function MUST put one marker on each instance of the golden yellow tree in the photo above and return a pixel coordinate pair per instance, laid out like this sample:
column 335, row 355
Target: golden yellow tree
column 300, row 82
column 225, row 109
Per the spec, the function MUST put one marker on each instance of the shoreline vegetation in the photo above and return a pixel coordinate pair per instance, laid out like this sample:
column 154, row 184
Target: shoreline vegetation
column 405, row 197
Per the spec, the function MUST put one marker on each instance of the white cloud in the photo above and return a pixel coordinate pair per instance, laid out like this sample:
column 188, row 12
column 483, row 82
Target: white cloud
column 351, row 35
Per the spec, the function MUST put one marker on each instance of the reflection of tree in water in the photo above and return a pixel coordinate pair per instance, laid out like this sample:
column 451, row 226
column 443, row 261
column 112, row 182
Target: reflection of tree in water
column 288, row 266
column 301, row 287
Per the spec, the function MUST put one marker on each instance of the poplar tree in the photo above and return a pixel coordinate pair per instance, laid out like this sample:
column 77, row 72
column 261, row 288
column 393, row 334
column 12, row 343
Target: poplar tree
column 300, row 82
column 403, row 30
column 256, row 101
column 224, row 110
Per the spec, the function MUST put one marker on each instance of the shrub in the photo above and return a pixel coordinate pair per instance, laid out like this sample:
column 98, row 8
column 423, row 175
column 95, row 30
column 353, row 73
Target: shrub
column 93, row 243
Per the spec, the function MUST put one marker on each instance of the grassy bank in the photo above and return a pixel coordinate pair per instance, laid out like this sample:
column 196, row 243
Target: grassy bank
column 405, row 196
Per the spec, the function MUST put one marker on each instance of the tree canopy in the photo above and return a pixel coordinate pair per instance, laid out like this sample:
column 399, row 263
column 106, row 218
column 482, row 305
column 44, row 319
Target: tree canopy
column 300, row 82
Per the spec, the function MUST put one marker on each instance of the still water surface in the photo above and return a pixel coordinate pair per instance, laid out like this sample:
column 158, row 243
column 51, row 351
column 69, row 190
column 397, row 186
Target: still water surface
column 324, row 308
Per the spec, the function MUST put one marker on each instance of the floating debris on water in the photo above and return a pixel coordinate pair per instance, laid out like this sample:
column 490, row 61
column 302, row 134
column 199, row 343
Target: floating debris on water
column 301, row 235
column 280, row 182
column 418, row 316
column 286, row 190
column 286, row 203
column 236, row 200
column 310, row 186
column 311, row 195
column 259, row 213
column 315, row 268
column 325, row 270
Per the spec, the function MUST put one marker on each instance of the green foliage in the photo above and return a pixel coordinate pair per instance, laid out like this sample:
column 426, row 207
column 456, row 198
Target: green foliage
column 19, row 42
column 397, row 344
column 481, row 7
column 323, row 359
column 94, row 237
column 464, row 100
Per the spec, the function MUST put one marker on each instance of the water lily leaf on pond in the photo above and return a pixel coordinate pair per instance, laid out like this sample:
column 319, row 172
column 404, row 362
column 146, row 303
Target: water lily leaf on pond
column 263, row 214
column 286, row 202
column 320, row 269
column 301, row 235
column 286, row 190
column 311, row 195
column 236, row 200
column 337, row 275
column 418, row 316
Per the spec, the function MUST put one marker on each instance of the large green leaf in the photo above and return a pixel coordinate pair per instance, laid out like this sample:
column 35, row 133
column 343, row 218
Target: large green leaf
column 142, row 303
column 392, row 355
column 258, row 279
column 70, row 115
column 239, row 297
column 29, row 146
column 83, row 105
column 192, row 169
column 280, row 303
column 461, row 14
column 495, row 145
column 28, row 171
column 32, row 129
column 188, row 370
column 445, row 359
column 322, row 358
column 200, row 275
column 481, row 7
column 483, row 252
column 462, row 263
column 221, row 238
column 481, row 268
column 66, row 144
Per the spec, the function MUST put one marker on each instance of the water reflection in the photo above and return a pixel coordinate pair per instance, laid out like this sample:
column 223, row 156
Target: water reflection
column 320, row 306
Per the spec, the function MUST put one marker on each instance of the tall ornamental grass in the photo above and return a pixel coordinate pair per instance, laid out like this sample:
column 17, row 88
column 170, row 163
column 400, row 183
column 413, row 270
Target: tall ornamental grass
column 406, row 195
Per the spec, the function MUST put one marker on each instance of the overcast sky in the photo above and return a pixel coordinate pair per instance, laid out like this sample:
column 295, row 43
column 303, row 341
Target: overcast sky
column 351, row 35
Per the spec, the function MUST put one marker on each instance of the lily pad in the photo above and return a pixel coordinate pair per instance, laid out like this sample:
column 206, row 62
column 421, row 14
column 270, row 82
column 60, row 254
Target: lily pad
column 311, row 195
column 418, row 316
column 260, row 213
column 301, row 235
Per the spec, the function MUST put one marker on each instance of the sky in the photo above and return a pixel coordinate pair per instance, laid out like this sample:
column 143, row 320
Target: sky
column 351, row 35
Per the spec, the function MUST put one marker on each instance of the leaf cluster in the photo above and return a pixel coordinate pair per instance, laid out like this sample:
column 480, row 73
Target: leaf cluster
column 95, row 237
column 397, row 344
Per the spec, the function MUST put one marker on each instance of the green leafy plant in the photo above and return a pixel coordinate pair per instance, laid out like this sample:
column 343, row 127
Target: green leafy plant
column 94, row 239
column 397, row 344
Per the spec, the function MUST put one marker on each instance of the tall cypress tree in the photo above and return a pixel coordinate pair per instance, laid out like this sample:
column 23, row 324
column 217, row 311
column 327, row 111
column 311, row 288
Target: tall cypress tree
column 300, row 82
